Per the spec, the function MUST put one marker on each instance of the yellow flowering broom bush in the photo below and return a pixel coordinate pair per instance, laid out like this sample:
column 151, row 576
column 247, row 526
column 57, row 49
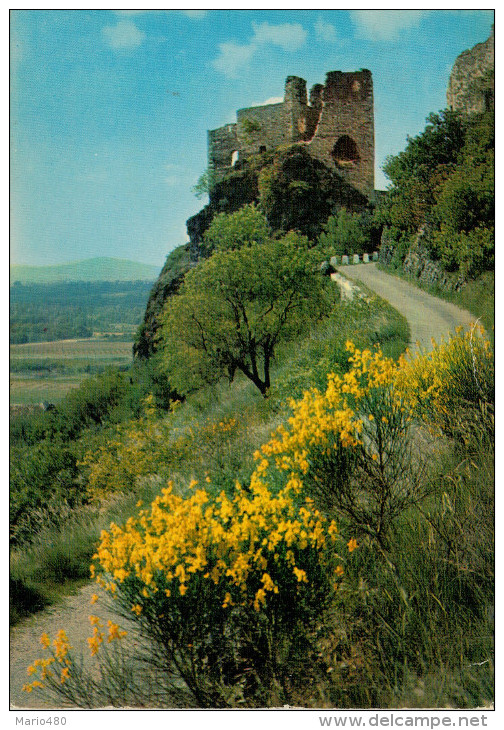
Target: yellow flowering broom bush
column 452, row 386
column 350, row 445
column 228, row 588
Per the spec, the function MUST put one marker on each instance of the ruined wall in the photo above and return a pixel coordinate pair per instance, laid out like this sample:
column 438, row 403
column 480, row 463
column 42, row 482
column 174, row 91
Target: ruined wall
column 344, row 137
column 470, row 88
column 222, row 143
column 337, row 125
column 261, row 127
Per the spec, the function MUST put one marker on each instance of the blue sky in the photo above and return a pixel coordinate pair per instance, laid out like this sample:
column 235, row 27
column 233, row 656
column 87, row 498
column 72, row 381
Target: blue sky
column 110, row 109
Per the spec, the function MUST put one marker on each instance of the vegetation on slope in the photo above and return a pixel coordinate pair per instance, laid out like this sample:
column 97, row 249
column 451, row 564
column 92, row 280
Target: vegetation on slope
column 340, row 572
column 443, row 186
column 338, row 533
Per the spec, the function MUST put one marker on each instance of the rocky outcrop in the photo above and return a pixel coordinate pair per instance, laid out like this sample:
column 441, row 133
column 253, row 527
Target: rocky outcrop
column 471, row 84
column 168, row 283
column 296, row 192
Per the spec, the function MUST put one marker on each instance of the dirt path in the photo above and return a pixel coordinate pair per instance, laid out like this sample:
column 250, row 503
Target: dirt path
column 428, row 316
column 70, row 614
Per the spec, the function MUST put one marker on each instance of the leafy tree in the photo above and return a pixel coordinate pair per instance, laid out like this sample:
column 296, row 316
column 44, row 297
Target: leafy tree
column 346, row 233
column 417, row 172
column 236, row 307
column 204, row 184
column 230, row 231
column 444, row 182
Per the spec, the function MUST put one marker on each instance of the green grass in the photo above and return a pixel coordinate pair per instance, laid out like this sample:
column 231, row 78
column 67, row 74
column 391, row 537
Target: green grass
column 478, row 297
column 26, row 391
column 89, row 349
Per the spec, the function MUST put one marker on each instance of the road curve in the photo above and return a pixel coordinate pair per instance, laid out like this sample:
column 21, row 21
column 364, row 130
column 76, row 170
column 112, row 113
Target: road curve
column 428, row 317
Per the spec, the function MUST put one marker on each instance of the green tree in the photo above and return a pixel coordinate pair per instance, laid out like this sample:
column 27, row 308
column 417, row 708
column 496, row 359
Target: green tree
column 204, row 184
column 346, row 233
column 236, row 307
column 418, row 171
column 443, row 182
column 229, row 231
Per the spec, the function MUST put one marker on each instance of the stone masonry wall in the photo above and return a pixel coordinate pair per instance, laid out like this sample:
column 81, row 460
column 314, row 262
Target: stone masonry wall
column 337, row 125
column 272, row 128
column 347, row 112
column 222, row 143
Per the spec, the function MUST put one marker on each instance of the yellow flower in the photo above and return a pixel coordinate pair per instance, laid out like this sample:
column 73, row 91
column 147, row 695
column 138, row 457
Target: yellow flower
column 228, row 601
column 45, row 641
column 95, row 641
column 94, row 598
column 137, row 609
column 300, row 575
column 339, row 570
column 352, row 545
column 114, row 632
column 65, row 673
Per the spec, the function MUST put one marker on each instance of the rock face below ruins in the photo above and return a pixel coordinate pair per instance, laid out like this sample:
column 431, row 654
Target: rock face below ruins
column 470, row 89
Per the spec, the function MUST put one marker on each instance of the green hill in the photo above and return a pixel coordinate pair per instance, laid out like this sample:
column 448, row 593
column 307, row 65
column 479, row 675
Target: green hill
column 96, row 269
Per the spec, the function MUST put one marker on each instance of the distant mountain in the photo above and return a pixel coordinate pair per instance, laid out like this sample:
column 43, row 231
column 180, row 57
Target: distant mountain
column 97, row 269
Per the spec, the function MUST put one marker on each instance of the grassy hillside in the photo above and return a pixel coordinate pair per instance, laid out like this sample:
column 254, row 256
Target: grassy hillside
column 96, row 269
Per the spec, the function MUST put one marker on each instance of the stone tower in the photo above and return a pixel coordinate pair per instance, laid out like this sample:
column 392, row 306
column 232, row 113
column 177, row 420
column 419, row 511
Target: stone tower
column 336, row 125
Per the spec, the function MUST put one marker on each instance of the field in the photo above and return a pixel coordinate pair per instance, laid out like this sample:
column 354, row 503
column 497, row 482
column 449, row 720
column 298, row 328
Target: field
column 46, row 371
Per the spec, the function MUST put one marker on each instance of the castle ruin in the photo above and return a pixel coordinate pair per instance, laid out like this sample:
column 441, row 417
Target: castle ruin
column 336, row 125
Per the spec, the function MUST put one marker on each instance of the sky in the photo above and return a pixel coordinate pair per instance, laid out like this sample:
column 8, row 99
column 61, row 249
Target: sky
column 110, row 108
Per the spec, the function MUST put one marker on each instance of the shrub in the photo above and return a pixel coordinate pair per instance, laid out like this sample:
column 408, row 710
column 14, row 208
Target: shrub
column 452, row 387
column 347, row 233
column 351, row 445
column 137, row 450
column 227, row 590
column 44, row 486
column 226, row 587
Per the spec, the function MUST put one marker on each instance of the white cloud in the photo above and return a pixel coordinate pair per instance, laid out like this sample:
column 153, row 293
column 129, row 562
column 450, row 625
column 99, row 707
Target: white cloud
column 289, row 36
column 271, row 100
column 325, row 31
column 194, row 14
column 124, row 35
column 385, row 25
column 234, row 56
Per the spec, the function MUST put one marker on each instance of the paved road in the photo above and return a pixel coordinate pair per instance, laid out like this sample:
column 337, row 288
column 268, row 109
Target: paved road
column 428, row 316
